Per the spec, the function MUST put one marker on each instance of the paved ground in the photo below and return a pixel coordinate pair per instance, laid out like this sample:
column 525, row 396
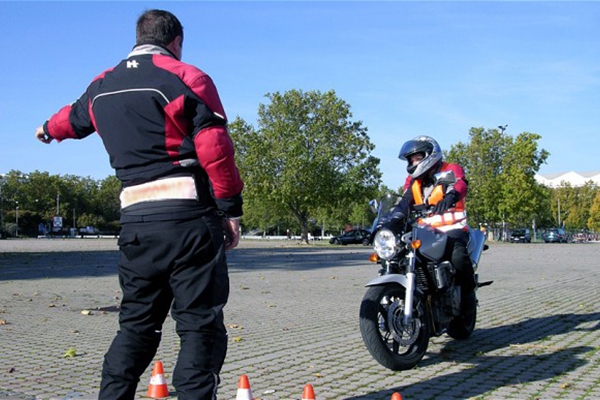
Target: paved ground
column 293, row 319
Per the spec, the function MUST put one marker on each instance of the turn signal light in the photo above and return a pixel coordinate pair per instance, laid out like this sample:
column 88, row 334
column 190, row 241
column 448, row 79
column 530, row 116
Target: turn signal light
column 415, row 244
column 374, row 257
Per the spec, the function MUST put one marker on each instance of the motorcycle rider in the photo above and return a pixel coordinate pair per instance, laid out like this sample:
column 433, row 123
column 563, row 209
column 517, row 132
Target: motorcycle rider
column 424, row 157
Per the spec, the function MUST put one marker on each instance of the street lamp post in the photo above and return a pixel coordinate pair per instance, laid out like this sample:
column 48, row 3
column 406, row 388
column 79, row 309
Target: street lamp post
column 16, row 219
column 502, row 128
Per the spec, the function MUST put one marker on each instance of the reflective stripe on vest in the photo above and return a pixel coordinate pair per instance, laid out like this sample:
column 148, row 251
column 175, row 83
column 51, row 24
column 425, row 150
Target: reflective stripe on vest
column 447, row 221
column 455, row 218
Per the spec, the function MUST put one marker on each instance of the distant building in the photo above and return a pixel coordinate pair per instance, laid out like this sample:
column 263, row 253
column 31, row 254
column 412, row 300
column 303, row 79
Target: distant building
column 575, row 179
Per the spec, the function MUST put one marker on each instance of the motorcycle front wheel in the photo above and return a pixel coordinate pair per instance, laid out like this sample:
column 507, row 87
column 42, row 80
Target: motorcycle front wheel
column 462, row 326
column 393, row 344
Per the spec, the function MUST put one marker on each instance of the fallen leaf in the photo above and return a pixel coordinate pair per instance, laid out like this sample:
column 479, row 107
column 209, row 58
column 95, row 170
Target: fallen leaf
column 70, row 353
column 86, row 312
column 237, row 339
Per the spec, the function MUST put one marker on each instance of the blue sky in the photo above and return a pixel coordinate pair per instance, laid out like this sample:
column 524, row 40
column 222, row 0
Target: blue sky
column 406, row 69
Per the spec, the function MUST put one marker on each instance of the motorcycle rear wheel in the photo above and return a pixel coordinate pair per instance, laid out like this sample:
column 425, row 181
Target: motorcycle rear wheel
column 377, row 329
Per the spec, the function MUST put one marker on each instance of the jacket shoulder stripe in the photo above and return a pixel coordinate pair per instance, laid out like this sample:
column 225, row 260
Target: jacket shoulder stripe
column 131, row 90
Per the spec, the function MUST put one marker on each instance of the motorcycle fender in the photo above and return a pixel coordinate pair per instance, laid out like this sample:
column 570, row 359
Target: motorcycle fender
column 387, row 279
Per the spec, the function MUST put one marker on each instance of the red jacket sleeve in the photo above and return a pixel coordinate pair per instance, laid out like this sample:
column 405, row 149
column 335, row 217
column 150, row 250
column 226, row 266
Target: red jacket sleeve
column 73, row 121
column 213, row 145
column 460, row 186
column 407, row 183
column 216, row 155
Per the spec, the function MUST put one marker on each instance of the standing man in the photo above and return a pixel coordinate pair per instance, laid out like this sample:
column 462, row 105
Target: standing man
column 165, row 130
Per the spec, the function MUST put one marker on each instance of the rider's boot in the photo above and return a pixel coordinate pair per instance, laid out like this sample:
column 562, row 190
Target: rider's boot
column 468, row 298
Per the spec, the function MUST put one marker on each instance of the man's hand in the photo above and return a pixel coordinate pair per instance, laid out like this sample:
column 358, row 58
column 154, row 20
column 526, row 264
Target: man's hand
column 41, row 135
column 393, row 221
column 231, row 227
column 446, row 203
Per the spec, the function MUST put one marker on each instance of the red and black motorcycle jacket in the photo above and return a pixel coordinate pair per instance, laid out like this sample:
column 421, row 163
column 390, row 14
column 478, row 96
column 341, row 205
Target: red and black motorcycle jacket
column 158, row 118
column 423, row 191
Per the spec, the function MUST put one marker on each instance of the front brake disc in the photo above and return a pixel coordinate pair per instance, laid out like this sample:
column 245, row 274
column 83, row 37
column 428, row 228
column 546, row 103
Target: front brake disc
column 407, row 334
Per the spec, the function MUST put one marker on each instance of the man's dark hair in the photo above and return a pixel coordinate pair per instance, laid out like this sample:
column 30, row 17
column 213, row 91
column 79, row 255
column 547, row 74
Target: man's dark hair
column 157, row 27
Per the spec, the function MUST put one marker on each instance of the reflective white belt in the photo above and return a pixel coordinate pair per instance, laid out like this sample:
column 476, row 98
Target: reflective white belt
column 183, row 187
column 447, row 221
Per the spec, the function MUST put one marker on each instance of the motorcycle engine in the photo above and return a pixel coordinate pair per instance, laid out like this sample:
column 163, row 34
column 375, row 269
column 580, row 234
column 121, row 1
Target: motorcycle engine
column 444, row 272
column 447, row 304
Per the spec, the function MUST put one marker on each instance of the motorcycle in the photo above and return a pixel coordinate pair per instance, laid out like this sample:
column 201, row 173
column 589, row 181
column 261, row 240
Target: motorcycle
column 415, row 296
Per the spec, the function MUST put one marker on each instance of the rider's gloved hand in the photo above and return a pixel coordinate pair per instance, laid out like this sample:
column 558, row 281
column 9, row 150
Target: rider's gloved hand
column 393, row 221
column 449, row 200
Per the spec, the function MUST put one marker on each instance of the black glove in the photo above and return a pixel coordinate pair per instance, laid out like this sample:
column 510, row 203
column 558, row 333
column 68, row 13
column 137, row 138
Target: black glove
column 449, row 200
column 392, row 221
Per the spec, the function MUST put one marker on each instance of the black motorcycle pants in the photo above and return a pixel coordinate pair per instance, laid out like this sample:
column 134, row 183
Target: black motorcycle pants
column 178, row 266
column 456, row 252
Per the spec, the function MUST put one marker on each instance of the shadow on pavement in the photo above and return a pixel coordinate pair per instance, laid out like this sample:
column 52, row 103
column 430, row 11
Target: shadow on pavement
column 21, row 266
column 543, row 361
column 298, row 259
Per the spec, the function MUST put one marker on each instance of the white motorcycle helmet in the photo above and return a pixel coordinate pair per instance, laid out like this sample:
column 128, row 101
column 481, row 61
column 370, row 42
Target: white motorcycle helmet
column 432, row 155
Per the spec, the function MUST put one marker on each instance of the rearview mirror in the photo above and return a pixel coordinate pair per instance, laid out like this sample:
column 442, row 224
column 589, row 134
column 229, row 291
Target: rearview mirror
column 444, row 178
column 374, row 205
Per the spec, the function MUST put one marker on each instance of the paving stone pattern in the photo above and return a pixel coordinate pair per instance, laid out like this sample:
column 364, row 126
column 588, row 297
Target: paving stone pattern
column 293, row 319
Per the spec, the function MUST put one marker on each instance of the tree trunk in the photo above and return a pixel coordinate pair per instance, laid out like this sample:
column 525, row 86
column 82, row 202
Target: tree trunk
column 304, row 225
column 303, row 219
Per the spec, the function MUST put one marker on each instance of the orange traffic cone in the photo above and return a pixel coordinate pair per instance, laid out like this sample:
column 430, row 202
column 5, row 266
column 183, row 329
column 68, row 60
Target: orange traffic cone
column 396, row 396
column 243, row 391
column 308, row 393
column 158, row 386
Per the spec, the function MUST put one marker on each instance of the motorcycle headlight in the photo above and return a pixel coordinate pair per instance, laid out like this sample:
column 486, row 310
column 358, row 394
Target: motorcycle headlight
column 385, row 244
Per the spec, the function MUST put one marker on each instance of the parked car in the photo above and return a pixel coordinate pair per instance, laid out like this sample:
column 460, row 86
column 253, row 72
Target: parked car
column 520, row 236
column 555, row 235
column 354, row 236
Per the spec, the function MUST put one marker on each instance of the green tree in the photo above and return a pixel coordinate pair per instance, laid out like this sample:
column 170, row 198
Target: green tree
column 501, row 175
column 563, row 200
column 107, row 204
column 93, row 220
column 481, row 159
column 593, row 222
column 579, row 214
column 572, row 206
column 307, row 158
column 522, row 196
column 40, row 197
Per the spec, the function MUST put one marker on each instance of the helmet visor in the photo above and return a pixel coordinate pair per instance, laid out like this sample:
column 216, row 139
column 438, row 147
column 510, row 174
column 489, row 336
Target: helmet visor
column 412, row 147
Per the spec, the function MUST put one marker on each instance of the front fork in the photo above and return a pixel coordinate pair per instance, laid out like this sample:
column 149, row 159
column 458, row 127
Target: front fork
column 409, row 296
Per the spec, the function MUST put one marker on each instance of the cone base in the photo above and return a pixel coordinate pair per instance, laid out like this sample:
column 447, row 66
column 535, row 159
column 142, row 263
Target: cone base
column 158, row 392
